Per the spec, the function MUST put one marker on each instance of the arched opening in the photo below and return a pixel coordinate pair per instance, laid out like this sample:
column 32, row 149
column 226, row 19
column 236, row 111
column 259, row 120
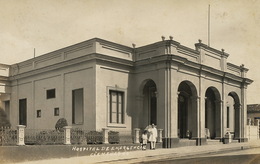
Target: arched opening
column 233, row 106
column 187, row 110
column 150, row 102
column 212, row 113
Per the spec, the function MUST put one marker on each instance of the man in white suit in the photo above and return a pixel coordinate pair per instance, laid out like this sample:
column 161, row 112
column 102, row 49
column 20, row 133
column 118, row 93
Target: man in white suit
column 152, row 136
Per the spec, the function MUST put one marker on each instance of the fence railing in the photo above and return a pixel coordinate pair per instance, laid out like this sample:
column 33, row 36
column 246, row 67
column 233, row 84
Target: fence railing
column 120, row 137
column 8, row 136
column 68, row 135
column 43, row 137
column 81, row 136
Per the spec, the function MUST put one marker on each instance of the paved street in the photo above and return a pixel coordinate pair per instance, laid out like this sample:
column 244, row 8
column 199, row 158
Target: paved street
column 237, row 153
column 249, row 156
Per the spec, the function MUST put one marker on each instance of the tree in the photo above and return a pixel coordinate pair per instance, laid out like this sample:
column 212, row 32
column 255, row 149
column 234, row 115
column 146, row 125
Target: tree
column 60, row 124
column 4, row 122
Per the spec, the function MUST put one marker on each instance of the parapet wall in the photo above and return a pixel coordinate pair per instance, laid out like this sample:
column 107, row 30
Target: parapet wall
column 202, row 54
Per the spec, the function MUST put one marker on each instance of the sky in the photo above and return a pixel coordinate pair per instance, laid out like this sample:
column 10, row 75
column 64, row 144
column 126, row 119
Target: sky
column 53, row 24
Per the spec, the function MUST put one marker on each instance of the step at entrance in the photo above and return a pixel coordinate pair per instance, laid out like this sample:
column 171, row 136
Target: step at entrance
column 213, row 142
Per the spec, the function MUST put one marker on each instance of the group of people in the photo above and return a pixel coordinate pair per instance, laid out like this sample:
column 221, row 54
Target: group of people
column 152, row 133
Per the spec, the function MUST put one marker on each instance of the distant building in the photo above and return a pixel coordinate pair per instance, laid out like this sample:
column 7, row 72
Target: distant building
column 95, row 84
column 253, row 111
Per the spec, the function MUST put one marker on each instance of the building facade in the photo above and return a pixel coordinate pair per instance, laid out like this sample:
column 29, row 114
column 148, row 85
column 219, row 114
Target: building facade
column 95, row 84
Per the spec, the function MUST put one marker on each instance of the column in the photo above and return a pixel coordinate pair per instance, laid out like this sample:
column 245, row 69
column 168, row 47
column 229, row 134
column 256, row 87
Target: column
column 243, row 114
column 201, row 121
column 243, row 111
column 169, row 101
column 223, row 95
column 201, row 109
column 219, row 119
column 194, row 115
column 174, row 117
column 20, row 135
column 238, row 123
column 159, row 135
column 206, row 118
column 241, row 126
column 202, row 139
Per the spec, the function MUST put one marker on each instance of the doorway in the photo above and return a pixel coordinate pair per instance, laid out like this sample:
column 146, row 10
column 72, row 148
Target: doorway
column 150, row 102
column 187, row 110
column 22, row 112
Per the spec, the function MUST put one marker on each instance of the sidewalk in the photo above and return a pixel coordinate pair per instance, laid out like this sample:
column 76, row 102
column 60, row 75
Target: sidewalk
column 140, row 156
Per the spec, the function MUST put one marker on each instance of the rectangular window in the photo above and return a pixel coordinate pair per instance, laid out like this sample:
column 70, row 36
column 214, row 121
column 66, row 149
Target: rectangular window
column 77, row 106
column 227, row 117
column 39, row 113
column 7, row 109
column 50, row 94
column 23, row 112
column 116, row 107
column 56, row 111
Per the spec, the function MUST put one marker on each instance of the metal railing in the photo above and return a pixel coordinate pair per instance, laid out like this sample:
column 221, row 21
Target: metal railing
column 68, row 135
column 81, row 136
column 120, row 137
column 43, row 137
column 8, row 136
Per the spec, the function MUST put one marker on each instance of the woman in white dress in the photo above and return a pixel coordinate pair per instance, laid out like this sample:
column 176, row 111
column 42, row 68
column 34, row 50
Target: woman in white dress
column 152, row 136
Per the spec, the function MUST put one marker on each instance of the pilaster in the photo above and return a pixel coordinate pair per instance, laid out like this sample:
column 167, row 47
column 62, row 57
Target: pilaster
column 201, row 109
column 223, row 104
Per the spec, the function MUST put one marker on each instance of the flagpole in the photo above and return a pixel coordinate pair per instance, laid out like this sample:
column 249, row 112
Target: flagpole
column 209, row 26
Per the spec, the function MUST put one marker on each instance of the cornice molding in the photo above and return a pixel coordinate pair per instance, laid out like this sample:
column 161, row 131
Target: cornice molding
column 66, row 63
column 132, row 64
column 199, row 67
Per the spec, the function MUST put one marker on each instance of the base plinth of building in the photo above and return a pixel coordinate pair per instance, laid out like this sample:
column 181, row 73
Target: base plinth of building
column 201, row 141
column 170, row 142
column 243, row 140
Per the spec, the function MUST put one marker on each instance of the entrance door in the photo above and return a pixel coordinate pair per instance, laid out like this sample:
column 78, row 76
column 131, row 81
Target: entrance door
column 182, row 116
column 153, row 110
column 22, row 112
column 149, row 103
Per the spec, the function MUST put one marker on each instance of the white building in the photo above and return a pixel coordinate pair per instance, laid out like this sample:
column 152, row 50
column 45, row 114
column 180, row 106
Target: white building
column 189, row 93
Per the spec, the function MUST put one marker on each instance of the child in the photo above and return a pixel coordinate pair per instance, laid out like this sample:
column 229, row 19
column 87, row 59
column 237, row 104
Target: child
column 144, row 139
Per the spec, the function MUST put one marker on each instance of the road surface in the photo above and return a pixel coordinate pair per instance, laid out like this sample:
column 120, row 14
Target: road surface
column 248, row 156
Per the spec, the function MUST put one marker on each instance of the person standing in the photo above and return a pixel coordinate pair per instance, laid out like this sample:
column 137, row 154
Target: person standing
column 144, row 139
column 152, row 136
